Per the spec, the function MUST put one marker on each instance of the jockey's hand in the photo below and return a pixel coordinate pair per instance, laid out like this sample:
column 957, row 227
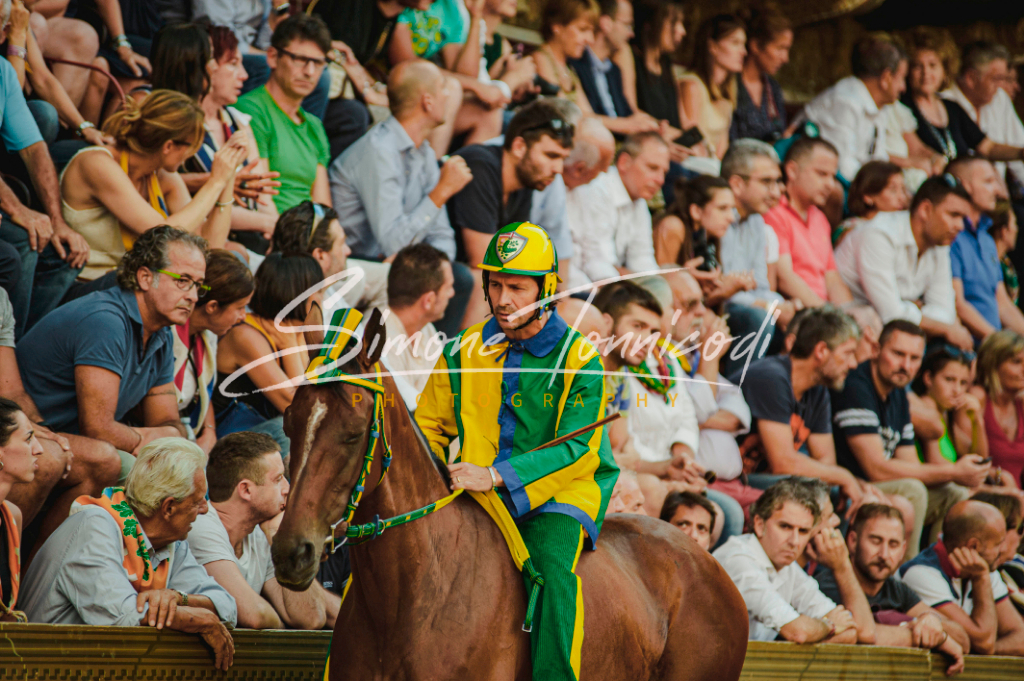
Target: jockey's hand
column 471, row 477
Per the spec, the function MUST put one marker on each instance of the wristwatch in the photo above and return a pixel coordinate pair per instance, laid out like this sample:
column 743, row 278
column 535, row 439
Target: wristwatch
column 15, row 51
column 282, row 9
column 82, row 127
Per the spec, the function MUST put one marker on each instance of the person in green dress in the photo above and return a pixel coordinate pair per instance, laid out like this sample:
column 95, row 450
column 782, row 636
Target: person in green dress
column 943, row 384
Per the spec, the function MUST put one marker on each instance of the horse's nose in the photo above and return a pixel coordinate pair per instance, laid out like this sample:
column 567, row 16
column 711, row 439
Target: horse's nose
column 296, row 568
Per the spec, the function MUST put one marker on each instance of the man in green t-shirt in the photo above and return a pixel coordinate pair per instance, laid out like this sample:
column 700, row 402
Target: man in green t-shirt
column 293, row 142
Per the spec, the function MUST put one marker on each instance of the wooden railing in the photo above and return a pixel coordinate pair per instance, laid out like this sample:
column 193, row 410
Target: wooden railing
column 42, row 652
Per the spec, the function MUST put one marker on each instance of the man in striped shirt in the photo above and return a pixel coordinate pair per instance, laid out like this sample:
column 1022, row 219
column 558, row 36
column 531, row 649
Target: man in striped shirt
column 875, row 438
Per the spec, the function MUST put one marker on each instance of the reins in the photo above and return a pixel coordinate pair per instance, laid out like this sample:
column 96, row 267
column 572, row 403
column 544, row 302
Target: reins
column 324, row 368
column 369, row 531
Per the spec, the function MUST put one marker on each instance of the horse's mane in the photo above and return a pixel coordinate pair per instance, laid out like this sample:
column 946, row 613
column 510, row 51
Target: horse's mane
column 353, row 367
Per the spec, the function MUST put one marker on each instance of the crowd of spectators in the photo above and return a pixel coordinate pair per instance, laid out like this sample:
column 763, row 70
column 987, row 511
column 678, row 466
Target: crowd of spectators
column 825, row 384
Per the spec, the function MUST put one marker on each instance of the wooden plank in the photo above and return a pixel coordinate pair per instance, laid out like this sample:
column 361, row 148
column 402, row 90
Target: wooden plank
column 41, row 652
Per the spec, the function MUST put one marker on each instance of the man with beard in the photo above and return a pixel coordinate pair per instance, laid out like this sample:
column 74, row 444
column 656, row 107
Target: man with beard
column 505, row 180
column 875, row 438
column 789, row 403
column 876, row 543
column 247, row 488
column 955, row 576
column 898, row 262
column 548, row 383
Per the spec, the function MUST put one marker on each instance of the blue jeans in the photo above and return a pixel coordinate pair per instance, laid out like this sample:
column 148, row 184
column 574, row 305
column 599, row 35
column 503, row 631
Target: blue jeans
column 733, row 515
column 46, row 119
column 259, row 73
column 44, row 278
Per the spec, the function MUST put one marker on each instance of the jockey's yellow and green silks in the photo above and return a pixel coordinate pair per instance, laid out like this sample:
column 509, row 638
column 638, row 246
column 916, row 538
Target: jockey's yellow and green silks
column 499, row 399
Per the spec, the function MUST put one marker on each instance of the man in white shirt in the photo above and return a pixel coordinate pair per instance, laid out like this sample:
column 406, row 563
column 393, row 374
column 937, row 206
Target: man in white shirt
column 849, row 114
column 955, row 577
column 900, row 259
column 984, row 68
column 782, row 600
column 420, row 284
column 612, row 231
column 247, row 487
column 592, row 152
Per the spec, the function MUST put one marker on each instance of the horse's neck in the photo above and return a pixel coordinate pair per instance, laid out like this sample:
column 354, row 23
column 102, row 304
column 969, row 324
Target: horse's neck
column 419, row 550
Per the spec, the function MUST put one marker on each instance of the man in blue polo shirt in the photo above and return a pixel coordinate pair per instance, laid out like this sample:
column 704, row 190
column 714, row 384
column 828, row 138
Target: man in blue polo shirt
column 955, row 577
column 982, row 303
column 91, row 362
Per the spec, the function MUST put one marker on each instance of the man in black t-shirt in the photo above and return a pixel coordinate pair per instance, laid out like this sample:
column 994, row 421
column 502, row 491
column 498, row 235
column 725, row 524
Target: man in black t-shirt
column 875, row 439
column 876, row 543
column 789, row 402
column 505, row 178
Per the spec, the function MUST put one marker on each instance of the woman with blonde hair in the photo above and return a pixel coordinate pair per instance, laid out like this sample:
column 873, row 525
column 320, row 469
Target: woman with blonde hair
column 1000, row 376
column 111, row 198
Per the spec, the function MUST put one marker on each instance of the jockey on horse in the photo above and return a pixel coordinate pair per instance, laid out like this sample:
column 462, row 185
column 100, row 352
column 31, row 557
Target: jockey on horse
column 531, row 379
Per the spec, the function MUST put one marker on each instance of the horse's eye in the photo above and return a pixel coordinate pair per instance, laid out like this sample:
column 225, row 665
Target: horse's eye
column 352, row 439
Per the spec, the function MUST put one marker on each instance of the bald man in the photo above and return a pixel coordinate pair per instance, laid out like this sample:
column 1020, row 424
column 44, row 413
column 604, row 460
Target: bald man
column 387, row 188
column 982, row 303
column 956, row 577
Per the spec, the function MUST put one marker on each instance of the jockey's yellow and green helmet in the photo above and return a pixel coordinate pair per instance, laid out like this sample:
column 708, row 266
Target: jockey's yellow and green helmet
column 524, row 248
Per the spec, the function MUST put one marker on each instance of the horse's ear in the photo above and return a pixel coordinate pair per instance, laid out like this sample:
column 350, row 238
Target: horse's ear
column 374, row 336
column 315, row 324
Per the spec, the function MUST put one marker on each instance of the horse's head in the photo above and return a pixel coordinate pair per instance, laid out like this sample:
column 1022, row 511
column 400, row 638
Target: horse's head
column 329, row 426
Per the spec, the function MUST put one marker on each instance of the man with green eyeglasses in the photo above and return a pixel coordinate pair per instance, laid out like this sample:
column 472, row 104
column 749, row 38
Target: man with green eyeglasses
column 102, row 365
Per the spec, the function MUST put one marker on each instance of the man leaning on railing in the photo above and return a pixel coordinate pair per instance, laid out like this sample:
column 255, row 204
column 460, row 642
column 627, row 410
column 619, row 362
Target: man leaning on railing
column 122, row 560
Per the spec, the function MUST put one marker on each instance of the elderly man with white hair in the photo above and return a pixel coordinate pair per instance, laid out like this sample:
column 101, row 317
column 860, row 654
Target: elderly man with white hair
column 121, row 559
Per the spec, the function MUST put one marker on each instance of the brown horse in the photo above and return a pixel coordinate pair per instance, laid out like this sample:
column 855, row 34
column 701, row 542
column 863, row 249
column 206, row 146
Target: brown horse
column 440, row 598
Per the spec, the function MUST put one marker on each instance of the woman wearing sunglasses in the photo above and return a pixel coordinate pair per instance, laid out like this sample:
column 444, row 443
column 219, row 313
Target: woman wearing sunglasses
column 1000, row 383
column 223, row 297
column 112, row 194
column 256, row 398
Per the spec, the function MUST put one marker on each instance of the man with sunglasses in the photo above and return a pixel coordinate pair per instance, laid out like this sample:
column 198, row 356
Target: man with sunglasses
column 505, row 181
column 105, row 360
column 293, row 142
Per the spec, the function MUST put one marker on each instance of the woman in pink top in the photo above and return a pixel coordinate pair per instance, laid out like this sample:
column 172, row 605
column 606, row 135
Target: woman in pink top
column 1001, row 375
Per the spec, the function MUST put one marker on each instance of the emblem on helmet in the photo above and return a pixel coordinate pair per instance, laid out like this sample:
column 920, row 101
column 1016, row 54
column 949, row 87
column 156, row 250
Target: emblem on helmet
column 509, row 245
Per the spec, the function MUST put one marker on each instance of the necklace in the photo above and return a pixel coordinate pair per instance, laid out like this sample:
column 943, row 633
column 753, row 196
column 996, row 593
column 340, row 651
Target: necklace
column 944, row 137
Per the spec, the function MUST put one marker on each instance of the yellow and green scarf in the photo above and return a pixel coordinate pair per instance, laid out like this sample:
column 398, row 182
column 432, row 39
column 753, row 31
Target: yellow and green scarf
column 136, row 557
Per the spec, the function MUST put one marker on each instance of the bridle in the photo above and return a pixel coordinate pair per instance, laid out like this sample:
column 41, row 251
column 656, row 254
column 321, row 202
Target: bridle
column 324, row 368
